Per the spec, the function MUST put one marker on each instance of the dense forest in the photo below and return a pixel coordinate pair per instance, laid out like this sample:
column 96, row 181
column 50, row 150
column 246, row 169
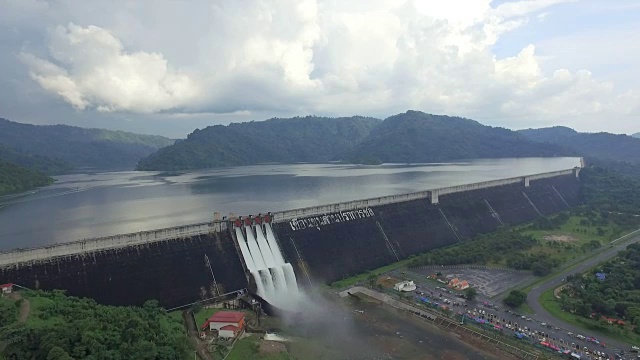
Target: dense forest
column 59, row 327
column 306, row 139
column 39, row 163
column 608, row 190
column 14, row 178
column 409, row 137
column 80, row 147
column 602, row 145
column 615, row 296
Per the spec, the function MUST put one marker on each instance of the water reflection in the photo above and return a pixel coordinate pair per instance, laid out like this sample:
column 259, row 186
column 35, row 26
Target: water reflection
column 100, row 204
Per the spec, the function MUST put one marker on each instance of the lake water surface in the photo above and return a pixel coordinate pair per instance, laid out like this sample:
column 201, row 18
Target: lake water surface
column 99, row 204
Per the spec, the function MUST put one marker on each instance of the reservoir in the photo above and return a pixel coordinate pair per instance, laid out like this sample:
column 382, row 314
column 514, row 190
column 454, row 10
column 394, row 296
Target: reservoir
column 96, row 204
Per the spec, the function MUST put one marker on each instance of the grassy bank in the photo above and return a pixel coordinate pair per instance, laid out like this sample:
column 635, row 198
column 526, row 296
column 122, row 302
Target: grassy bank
column 249, row 348
column 350, row 281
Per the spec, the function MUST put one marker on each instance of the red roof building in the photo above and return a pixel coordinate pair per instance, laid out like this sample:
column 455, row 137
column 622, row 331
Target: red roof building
column 6, row 288
column 228, row 331
column 224, row 318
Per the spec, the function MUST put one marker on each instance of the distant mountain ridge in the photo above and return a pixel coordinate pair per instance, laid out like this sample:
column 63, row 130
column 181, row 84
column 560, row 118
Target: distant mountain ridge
column 299, row 139
column 408, row 137
column 417, row 137
column 604, row 146
column 636, row 135
column 80, row 147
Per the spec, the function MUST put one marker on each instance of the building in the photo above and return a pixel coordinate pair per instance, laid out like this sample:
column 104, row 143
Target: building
column 601, row 276
column 6, row 288
column 228, row 331
column 458, row 284
column 226, row 323
column 405, row 286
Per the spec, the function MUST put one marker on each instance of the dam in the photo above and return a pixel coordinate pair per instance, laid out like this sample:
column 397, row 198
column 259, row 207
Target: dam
column 275, row 253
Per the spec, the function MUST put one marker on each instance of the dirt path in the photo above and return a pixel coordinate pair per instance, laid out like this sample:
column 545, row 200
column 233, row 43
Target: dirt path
column 25, row 306
column 192, row 329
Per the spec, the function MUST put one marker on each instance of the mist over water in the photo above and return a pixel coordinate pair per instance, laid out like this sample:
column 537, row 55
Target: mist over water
column 100, row 204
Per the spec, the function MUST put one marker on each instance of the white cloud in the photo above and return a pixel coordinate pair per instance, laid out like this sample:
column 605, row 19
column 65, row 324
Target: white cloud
column 94, row 70
column 373, row 57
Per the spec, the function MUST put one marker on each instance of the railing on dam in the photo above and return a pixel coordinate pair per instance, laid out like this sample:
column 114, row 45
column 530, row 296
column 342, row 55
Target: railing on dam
column 430, row 194
column 105, row 243
column 17, row 256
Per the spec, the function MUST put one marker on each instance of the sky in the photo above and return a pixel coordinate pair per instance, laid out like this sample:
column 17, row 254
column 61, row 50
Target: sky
column 168, row 67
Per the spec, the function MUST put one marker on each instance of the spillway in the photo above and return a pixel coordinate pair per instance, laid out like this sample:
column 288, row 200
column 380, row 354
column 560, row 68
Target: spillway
column 275, row 279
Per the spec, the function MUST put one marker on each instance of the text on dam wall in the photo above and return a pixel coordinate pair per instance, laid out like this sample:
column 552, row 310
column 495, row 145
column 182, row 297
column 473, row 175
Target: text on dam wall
column 317, row 221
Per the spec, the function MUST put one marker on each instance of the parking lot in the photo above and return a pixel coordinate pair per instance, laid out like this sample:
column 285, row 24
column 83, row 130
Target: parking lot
column 485, row 309
column 487, row 281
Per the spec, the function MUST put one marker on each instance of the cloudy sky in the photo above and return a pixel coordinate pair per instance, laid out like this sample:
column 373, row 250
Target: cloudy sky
column 167, row 67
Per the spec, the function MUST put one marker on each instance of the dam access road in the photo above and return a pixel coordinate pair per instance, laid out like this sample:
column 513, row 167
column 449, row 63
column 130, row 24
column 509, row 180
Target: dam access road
column 541, row 314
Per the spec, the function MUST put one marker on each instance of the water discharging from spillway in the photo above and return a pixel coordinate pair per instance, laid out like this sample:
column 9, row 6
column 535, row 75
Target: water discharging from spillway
column 275, row 280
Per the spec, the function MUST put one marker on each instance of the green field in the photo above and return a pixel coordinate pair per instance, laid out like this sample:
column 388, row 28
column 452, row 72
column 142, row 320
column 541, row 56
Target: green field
column 575, row 238
column 582, row 233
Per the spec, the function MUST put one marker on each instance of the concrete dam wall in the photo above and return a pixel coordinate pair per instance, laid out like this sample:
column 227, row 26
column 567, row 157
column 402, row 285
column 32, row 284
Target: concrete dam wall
column 175, row 272
column 325, row 243
column 330, row 250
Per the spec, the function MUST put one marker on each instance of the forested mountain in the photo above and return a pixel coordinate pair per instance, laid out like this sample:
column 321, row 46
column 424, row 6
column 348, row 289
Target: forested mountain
column 35, row 162
column 596, row 145
column 419, row 137
column 410, row 137
column 96, row 148
column 306, row 139
column 14, row 178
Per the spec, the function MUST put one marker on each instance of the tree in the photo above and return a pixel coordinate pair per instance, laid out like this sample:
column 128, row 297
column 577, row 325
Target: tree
column 470, row 293
column 57, row 353
column 371, row 279
column 515, row 298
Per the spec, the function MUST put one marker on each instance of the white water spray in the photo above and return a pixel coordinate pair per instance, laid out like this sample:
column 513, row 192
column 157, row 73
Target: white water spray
column 275, row 279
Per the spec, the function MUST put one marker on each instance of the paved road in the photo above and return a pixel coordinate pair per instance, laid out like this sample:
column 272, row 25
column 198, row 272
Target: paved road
column 543, row 315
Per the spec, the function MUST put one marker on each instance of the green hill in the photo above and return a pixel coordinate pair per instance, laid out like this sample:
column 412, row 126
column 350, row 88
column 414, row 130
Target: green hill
column 35, row 162
column 601, row 145
column 306, row 139
column 415, row 136
column 96, row 148
column 14, row 178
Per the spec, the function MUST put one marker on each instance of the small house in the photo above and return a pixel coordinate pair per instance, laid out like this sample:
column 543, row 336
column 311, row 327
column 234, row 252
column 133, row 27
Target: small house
column 464, row 284
column 458, row 284
column 227, row 323
column 6, row 288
